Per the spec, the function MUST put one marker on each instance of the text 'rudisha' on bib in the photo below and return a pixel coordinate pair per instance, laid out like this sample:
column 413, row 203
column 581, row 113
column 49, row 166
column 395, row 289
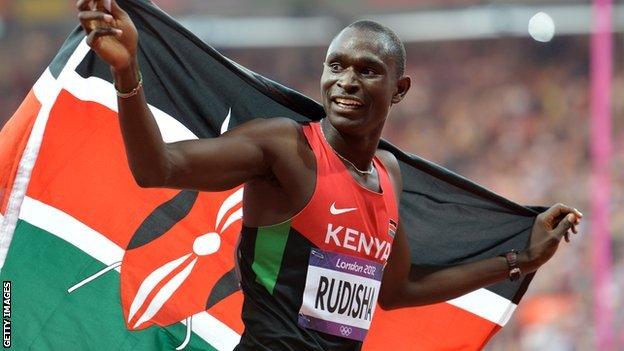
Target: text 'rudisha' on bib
column 340, row 294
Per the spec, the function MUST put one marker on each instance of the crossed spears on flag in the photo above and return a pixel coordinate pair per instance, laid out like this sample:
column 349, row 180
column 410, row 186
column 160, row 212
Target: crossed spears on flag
column 203, row 245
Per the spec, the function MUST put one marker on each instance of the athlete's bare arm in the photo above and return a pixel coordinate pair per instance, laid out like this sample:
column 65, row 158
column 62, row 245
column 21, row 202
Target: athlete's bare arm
column 405, row 286
column 270, row 156
column 238, row 156
column 205, row 164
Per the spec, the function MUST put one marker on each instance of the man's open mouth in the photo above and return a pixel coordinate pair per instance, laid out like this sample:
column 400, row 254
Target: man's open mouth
column 347, row 102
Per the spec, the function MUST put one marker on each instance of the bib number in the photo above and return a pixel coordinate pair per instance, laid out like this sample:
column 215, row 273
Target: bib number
column 340, row 294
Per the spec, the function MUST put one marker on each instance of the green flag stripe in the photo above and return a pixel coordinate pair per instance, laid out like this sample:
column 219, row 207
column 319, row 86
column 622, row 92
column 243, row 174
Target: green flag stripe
column 268, row 253
column 97, row 246
column 45, row 317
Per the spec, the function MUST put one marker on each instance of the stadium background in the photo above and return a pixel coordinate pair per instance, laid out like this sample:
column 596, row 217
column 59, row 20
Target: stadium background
column 487, row 102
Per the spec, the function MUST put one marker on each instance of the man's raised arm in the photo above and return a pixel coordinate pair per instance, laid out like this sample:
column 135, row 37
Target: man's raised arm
column 210, row 164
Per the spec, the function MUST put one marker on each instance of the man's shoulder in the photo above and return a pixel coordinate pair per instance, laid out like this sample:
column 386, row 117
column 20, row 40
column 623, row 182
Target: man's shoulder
column 275, row 133
column 389, row 160
column 392, row 165
column 281, row 139
column 274, row 126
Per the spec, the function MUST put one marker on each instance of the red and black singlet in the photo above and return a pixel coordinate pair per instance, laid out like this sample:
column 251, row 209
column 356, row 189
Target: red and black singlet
column 312, row 282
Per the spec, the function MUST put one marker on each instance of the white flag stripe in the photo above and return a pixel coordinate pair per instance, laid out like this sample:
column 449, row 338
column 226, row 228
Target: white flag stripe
column 150, row 283
column 59, row 223
column 71, row 230
column 487, row 305
column 98, row 90
column 220, row 335
column 165, row 293
column 46, row 90
column 101, row 91
column 74, row 60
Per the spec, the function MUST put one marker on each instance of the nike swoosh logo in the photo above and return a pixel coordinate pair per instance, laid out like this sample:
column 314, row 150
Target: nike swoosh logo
column 336, row 211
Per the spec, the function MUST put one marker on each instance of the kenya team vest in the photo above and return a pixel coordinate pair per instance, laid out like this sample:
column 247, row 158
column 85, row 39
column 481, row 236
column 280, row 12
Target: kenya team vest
column 312, row 282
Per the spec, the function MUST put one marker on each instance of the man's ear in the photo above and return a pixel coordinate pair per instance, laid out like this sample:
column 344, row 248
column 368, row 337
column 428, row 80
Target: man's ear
column 403, row 85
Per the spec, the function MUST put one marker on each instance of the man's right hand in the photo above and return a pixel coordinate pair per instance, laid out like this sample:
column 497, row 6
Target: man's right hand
column 111, row 34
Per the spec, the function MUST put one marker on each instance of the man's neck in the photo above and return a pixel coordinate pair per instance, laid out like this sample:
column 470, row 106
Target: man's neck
column 358, row 149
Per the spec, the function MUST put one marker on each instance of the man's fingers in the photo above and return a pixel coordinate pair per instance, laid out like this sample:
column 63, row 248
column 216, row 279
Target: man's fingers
column 109, row 6
column 90, row 20
column 115, row 9
column 578, row 213
column 85, row 5
column 557, row 213
column 560, row 209
column 94, row 15
column 101, row 32
column 564, row 225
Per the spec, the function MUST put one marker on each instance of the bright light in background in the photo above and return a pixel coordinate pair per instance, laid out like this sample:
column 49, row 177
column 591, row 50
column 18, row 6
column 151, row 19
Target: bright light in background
column 541, row 27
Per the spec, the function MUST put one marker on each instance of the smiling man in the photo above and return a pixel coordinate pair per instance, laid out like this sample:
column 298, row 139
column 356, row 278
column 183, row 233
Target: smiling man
column 322, row 242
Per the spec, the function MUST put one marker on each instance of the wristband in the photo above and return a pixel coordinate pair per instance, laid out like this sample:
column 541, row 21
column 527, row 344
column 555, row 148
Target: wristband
column 132, row 92
column 512, row 263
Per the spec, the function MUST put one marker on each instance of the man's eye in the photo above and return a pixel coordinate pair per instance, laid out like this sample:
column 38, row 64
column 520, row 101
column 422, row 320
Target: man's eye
column 369, row 72
column 335, row 67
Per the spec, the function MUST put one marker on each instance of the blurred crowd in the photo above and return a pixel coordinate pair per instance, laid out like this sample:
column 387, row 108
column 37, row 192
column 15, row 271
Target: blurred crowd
column 510, row 114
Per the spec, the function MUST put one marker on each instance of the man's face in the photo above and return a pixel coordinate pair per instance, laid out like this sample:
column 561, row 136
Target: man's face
column 359, row 81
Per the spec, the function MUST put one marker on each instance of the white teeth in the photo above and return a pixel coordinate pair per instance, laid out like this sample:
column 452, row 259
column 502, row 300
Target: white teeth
column 348, row 102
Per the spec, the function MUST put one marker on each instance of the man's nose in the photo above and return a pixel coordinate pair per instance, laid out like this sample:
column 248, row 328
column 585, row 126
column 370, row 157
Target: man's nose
column 348, row 81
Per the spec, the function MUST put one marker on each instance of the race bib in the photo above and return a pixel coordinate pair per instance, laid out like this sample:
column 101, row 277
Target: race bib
column 340, row 294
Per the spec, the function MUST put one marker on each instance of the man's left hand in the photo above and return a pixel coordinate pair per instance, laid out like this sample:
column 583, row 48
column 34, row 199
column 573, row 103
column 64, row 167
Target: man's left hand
column 550, row 226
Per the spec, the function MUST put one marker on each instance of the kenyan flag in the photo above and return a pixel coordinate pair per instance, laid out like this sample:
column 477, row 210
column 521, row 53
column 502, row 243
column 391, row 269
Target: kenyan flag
column 74, row 213
column 98, row 263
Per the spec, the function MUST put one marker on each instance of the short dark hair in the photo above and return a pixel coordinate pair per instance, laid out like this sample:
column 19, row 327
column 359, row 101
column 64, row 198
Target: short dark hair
column 395, row 46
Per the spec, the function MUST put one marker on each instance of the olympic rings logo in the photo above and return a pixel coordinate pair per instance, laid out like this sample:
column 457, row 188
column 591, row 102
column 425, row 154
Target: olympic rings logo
column 345, row 331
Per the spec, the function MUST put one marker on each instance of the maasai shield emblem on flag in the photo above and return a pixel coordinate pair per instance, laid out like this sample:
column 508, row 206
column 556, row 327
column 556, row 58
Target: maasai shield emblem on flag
column 98, row 263
column 176, row 275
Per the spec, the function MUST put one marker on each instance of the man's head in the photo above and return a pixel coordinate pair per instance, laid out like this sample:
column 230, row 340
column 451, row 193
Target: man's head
column 363, row 76
column 393, row 46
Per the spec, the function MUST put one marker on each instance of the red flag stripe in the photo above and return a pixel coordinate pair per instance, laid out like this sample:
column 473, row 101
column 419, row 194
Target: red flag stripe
column 90, row 153
column 431, row 328
column 13, row 139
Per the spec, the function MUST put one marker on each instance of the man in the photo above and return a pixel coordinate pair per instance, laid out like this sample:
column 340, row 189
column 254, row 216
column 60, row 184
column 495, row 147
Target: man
column 321, row 242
